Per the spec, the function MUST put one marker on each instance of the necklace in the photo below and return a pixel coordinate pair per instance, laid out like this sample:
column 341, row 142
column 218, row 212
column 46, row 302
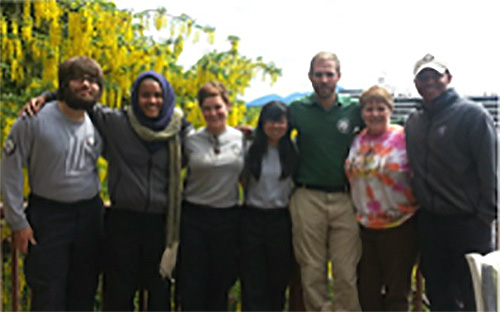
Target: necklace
column 216, row 144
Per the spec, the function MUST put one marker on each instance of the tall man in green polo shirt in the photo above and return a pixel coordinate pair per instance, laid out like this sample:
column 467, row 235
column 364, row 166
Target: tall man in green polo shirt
column 324, row 223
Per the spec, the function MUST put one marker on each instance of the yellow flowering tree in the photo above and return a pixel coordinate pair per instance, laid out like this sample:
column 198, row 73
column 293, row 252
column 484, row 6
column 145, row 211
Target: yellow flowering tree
column 37, row 35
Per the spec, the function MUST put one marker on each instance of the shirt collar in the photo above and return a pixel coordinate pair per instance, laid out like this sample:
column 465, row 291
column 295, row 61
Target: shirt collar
column 311, row 100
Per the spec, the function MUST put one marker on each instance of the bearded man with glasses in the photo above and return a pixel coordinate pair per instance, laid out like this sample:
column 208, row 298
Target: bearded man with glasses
column 61, row 230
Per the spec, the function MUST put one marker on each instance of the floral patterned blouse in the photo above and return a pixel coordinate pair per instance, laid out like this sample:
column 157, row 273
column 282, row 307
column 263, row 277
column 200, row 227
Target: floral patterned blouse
column 378, row 171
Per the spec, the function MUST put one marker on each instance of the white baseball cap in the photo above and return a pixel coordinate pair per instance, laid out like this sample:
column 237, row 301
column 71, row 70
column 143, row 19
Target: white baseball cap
column 428, row 61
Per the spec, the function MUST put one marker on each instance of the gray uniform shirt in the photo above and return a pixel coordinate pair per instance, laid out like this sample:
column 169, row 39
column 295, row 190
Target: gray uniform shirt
column 212, row 178
column 269, row 191
column 60, row 156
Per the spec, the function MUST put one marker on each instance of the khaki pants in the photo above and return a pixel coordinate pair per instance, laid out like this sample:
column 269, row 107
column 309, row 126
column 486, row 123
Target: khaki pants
column 324, row 229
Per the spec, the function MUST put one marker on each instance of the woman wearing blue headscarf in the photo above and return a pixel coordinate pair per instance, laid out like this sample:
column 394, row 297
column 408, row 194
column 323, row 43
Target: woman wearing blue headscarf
column 142, row 147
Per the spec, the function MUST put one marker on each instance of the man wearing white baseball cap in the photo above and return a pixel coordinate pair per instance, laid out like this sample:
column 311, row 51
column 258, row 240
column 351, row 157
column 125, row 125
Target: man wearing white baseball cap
column 451, row 146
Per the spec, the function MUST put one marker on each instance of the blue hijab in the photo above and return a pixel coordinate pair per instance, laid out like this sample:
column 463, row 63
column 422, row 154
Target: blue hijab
column 161, row 121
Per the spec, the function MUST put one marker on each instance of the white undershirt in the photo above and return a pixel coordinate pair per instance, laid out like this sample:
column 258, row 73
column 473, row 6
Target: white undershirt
column 269, row 191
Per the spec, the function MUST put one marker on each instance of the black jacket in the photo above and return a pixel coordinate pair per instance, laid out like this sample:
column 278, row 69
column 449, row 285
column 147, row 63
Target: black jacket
column 452, row 151
column 137, row 178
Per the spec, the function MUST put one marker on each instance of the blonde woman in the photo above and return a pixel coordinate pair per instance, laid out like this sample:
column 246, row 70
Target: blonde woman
column 378, row 171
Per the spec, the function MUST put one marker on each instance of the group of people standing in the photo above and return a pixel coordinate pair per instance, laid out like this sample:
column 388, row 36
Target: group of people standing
column 351, row 189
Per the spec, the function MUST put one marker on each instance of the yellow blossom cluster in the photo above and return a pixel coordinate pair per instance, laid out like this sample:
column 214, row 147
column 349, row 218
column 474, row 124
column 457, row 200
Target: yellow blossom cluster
column 37, row 35
column 35, row 41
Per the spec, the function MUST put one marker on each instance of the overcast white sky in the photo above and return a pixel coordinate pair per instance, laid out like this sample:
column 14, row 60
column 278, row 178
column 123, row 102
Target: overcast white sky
column 372, row 38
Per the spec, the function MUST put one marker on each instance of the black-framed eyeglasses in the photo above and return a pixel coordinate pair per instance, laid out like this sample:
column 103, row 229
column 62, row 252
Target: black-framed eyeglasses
column 82, row 79
column 321, row 74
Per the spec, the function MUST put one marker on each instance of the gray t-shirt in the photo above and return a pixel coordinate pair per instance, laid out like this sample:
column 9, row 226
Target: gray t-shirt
column 213, row 167
column 269, row 191
column 60, row 156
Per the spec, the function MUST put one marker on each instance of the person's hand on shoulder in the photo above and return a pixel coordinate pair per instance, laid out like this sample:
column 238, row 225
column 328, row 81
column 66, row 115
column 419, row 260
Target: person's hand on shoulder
column 246, row 130
column 33, row 106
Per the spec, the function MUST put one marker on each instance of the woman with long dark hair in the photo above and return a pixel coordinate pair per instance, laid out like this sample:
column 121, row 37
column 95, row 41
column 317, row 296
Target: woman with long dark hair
column 266, row 254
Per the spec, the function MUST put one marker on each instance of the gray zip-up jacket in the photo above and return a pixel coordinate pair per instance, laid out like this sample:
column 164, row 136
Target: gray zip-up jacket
column 452, row 152
column 137, row 178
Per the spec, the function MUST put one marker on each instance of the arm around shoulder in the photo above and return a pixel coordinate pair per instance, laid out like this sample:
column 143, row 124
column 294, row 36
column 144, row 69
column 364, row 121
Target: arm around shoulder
column 35, row 104
column 186, row 128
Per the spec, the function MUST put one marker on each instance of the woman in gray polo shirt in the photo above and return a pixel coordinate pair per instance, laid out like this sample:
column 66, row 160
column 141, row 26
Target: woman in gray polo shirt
column 213, row 156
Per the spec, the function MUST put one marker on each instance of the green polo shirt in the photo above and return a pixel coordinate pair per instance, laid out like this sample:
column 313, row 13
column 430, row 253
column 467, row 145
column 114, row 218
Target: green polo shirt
column 324, row 138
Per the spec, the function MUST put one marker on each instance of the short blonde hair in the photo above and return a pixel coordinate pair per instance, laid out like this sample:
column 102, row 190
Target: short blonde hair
column 377, row 94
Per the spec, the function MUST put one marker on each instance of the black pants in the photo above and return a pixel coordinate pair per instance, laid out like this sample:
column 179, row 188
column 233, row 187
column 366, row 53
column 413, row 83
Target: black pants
column 134, row 246
column 208, row 247
column 62, row 269
column 444, row 241
column 265, row 258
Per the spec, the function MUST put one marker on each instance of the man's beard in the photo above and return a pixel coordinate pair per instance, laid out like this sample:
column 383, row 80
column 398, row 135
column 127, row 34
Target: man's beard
column 323, row 91
column 76, row 102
